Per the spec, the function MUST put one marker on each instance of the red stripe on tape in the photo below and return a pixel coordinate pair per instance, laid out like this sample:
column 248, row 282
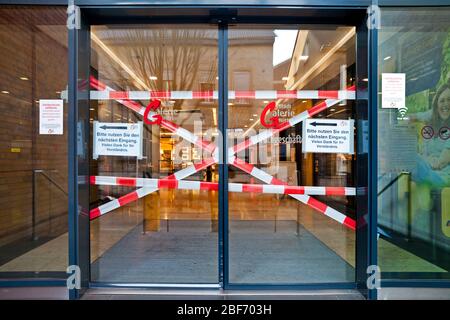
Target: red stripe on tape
column 129, row 182
column 252, row 188
column 97, row 84
column 94, row 213
column 294, row 190
column 244, row 94
column 118, row 95
column 316, row 204
column 128, row 198
column 209, row 186
column 202, row 94
column 244, row 166
column 92, row 179
column 159, row 94
column 335, row 191
column 286, row 94
column 349, row 222
column 278, row 182
column 203, row 164
column 317, row 108
column 333, row 94
column 169, row 125
column 168, row 183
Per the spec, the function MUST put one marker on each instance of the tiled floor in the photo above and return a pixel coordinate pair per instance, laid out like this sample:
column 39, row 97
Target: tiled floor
column 107, row 231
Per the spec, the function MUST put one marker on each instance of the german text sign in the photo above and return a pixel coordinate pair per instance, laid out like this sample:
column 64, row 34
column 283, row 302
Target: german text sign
column 51, row 116
column 117, row 139
column 328, row 136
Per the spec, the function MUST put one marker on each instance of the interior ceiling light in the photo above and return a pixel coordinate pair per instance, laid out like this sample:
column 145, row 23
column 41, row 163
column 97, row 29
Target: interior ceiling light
column 24, row 78
column 113, row 56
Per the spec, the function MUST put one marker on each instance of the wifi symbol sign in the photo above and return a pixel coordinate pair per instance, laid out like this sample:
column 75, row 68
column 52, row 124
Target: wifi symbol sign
column 402, row 112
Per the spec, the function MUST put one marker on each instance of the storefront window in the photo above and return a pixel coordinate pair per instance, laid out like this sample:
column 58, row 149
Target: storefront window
column 413, row 144
column 33, row 144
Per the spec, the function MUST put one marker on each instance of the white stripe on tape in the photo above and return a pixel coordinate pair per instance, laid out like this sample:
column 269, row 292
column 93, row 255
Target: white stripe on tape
column 231, row 95
column 181, row 95
column 331, row 102
column 298, row 118
column 308, row 94
column 334, row 214
column 145, row 191
column 315, row 190
column 270, row 188
column 99, row 95
column 189, row 136
column 109, row 206
column 266, row 94
column 235, row 187
column 185, row 172
column 261, row 175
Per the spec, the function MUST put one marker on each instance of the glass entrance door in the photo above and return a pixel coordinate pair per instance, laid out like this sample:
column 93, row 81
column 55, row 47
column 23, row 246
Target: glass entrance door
column 289, row 206
column 291, row 158
column 154, row 113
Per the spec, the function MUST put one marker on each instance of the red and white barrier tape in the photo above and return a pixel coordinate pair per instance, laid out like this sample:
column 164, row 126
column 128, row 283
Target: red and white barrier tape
column 266, row 134
column 142, row 192
column 172, row 127
column 309, row 201
column 106, row 94
column 339, row 96
column 232, row 187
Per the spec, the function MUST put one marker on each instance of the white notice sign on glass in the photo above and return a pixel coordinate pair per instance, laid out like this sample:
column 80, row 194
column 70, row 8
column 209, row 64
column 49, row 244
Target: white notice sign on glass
column 51, row 116
column 393, row 90
column 328, row 136
column 117, row 139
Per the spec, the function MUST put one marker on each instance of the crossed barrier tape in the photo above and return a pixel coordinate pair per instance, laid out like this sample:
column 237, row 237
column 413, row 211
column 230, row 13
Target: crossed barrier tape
column 214, row 186
column 104, row 94
column 248, row 168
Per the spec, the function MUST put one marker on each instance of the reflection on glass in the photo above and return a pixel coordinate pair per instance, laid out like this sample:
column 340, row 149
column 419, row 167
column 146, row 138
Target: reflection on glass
column 278, row 238
column 33, row 166
column 414, row 149
column 168, row 235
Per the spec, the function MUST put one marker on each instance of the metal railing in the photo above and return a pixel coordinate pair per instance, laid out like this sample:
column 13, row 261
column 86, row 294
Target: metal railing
column 51, row 182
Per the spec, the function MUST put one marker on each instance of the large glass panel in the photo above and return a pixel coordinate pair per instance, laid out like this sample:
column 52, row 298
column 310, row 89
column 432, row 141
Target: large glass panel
column 303, row 235
column 33, row 144
column 413, row 144
column 145, row 234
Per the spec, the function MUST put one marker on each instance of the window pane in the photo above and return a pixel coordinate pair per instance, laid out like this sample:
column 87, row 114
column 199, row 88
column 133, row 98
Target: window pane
column 413, row 145
column 33, row 161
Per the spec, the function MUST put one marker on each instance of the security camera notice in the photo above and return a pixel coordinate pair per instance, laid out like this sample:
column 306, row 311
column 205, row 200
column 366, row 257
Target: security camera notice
column 216, row 311
column 117, row 139
column 328, row 136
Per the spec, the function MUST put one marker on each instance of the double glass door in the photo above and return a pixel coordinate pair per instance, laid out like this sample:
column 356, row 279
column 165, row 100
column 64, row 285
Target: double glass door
column 263, row 114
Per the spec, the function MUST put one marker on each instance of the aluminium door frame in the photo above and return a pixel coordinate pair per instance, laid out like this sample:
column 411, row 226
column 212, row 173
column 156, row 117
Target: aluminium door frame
column 79, row 246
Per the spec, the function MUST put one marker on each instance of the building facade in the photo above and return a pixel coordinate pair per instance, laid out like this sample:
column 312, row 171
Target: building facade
column 265, row 145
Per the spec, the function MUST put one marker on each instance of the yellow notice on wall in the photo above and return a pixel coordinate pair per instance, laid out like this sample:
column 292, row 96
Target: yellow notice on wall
column 16, row 150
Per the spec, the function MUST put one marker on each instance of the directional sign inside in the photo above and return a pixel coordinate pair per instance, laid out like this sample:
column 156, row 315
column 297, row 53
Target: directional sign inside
column 117, row 139
column 328, row 136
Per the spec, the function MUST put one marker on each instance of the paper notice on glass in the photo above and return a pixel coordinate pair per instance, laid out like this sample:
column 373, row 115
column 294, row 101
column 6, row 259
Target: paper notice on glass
column 51, row 116
column 393, row 90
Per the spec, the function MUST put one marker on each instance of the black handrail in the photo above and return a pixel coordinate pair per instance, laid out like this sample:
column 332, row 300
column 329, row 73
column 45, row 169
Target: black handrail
column 34, row 207
column 403, row 173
